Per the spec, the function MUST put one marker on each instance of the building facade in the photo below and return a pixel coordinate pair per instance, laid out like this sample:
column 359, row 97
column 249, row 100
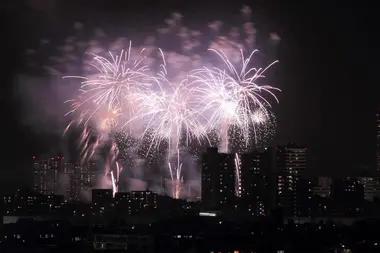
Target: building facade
column 371, row 187
column 58, row 176
column 136, row 202
column 322, row 187
column 347, row 197
column 102, row 200
column 218, row 181
column 81, row 180
column 254, row 183
column 293, row 189
column 46, row 175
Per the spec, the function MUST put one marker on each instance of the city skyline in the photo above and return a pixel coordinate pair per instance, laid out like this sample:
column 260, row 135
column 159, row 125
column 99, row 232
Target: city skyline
column 333, row 126
column 271, row 190
column 265, row 181
column 262, row 179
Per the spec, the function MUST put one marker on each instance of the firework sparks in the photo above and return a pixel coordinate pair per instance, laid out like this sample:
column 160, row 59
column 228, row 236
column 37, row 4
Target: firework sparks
column 169, row 113
column 107, row 95
column 88, row 143
column 109, row 120
column 169, row 110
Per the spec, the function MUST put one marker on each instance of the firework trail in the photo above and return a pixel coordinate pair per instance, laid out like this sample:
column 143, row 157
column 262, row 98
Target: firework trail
column 237, row 175
column 88, row 142
column 115, row 179
column 112, row 166
column 176, row 178
column 114, row 185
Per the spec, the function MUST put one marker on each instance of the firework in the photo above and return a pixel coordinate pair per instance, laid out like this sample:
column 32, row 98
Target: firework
column 169, row 110
column 229, row 97
column 110, row 89
column 105, row 99
column 169, row 114
column 178, row 110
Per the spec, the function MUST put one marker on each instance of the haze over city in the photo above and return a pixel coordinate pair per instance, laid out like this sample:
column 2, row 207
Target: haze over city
column 196, row 126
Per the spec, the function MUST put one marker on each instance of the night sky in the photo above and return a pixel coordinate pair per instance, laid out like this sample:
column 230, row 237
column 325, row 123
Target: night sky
column 326, row 72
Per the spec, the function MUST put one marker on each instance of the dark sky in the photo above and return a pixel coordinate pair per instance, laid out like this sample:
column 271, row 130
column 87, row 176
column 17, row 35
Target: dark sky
column 326, row 72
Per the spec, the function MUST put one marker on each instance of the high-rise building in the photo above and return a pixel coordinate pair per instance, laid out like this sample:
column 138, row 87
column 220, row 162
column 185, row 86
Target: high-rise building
column 136, row 202
column 254, row 183
column 101, row 201
column 82, row 180
column 65, row 179
column 321, row 193
column 371, row 187
column 31, row 203
column 378, row 139
column 218, row 181
column 78, row 180
column 45, row 175
column 59, row 176
column 293, row 194
column 347, row 197
column 322, row 187
column 303, row 198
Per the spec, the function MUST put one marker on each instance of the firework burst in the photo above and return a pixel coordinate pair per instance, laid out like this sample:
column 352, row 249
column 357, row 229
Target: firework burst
column 111, row 87
column 232, row 98
column 106, row 98
column 170, row 111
